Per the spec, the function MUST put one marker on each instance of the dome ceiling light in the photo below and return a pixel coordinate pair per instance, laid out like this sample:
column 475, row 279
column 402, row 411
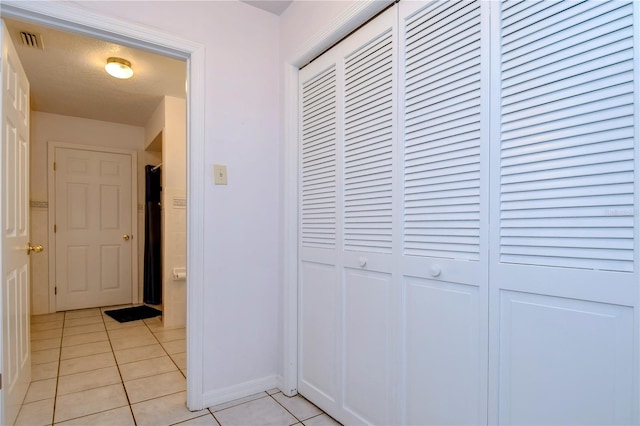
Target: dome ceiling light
column 119, row 68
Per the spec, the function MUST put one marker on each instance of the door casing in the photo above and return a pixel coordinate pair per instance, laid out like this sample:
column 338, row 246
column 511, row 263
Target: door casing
column 67, row 18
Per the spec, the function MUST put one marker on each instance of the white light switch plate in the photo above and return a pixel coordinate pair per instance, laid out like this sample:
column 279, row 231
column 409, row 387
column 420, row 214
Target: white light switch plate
column 219, row 174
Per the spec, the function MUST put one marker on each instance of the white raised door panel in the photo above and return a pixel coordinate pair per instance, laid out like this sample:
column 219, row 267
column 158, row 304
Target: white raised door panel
column 14, row 215
column 443, row 341
column 367, row 345
column 583, row 348
column 93, row 228
column 319, row 319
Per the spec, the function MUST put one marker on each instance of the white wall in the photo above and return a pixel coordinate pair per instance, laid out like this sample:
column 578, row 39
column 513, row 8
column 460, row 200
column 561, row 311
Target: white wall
column 303, row 20
column 174, row 188
column 241, row 131
column 47, row 127
column 169, row 118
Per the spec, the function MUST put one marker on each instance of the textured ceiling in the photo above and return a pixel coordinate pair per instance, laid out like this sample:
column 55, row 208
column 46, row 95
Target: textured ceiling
column 68, row 77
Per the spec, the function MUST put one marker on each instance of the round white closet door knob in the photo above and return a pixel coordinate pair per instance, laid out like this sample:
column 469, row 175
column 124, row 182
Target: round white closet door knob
column 435, row 270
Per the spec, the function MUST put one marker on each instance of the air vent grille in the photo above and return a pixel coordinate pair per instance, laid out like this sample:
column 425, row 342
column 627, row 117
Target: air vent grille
column 31, row 40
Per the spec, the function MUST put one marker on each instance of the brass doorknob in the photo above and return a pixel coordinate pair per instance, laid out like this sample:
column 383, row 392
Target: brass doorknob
column 125, row 237
column 36, row 248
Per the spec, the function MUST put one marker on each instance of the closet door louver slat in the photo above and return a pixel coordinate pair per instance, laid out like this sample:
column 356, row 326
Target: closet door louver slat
column 318, row 193
column 442, row 132
column 567, row 144
column 368, row 150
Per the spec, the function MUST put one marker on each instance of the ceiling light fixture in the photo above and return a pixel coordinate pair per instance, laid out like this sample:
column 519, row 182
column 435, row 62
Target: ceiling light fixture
column 119, row 68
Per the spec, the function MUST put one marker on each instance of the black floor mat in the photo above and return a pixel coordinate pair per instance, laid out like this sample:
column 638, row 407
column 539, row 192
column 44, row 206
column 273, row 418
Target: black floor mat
column 134, row 313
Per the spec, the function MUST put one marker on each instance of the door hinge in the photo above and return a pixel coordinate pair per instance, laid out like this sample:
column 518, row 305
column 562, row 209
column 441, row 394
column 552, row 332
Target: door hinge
column 55, row 228
column 0, row 380
column 54, row 166
column 55, row 290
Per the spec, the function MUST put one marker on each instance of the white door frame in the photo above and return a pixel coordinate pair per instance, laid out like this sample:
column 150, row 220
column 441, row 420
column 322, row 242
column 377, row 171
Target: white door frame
column 51, row 196
column 350, row 19
column 68, row 18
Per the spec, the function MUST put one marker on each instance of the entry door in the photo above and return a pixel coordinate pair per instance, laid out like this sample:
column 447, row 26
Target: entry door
column 93, row 238
column 14, row 215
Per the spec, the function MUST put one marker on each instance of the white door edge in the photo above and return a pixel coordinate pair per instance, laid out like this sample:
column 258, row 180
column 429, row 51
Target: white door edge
column 68, row 18
column 51, row 196
column 350, row 19
column 1, row 253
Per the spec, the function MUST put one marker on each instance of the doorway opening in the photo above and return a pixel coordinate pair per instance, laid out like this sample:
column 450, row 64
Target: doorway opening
column 68, row 19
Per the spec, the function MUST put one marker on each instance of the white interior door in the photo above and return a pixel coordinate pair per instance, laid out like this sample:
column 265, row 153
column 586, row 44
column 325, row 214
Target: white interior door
column 564, row 266
column 444, row 255
column 92, row 228
column 14, row 214
column 491, row 250
column 348, row 299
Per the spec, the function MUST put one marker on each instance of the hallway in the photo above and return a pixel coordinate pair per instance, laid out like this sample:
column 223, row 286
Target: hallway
column 90, row 369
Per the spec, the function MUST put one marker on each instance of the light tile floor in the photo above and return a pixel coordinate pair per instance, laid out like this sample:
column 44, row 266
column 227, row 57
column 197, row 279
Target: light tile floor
column 88, row 369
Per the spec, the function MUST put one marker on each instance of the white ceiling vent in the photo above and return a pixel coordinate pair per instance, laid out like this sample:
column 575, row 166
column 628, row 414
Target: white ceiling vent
column 31, row 40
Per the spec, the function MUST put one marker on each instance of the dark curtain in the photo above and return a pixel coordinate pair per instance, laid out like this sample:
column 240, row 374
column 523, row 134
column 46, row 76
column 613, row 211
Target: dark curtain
column 153, row 238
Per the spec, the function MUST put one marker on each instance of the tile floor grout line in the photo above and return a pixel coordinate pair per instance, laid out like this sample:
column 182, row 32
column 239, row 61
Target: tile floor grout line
column 145, row 359
column 162, row 396
column 78, row 344
column 165, row 351
column 296, row 417
column 214, row 417
column 55, row 395
column 278, row 402
column 167, row 354
column 239, row 401
column 131, row 362
column 55, row 403
column 113, row 352
column 188, row 420
column 86, row 415
column 31, row 381
column 318, row 415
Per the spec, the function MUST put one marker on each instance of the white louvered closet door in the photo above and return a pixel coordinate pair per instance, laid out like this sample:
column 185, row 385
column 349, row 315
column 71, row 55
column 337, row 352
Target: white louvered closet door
column 476, row 262
column 444, row 238
column 348, row 321
column 564, row 280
